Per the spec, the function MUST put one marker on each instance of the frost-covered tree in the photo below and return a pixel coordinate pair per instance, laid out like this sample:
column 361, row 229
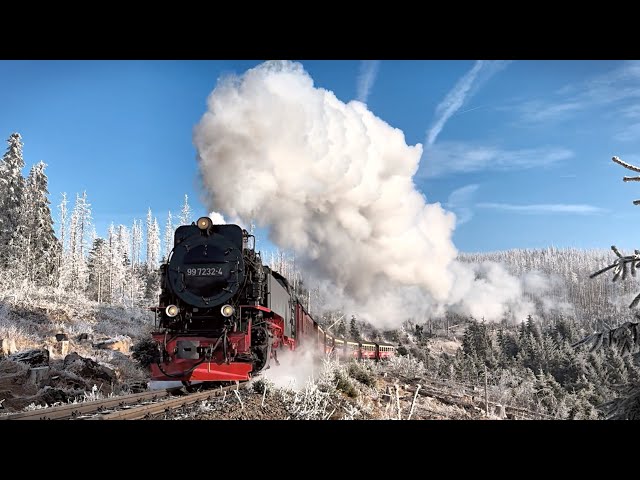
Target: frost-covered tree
column 168, row 236
column 119, row 264
column 628, row 406
column 138, row 269
column 153, row 249
column 63, row 220
column 79, row 231
column 136, row 243
column 186, row 214
column 153, row 242
column 354, row 333
column 42, row 246
column 624, row 265
column 62, row 257
column 124, row 288
column 71, row 270
column 12, row 222
column 98, row 271
column 112, row 259
column 124, row 239
column 84, row 222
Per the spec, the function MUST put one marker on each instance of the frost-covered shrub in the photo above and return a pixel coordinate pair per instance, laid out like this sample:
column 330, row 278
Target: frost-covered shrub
column 406, row 366
column 322, row 397
column 362, row 374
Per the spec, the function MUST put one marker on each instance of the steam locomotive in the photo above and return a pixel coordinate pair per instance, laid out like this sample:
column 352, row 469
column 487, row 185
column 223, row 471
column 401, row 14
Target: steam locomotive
column 223, row 315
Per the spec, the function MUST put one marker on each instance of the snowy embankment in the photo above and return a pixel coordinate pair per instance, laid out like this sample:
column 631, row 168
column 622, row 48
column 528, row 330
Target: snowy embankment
column 82, row 344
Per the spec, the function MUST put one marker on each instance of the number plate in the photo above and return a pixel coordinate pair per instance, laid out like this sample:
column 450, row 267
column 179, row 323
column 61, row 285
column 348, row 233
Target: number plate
column 204, row 272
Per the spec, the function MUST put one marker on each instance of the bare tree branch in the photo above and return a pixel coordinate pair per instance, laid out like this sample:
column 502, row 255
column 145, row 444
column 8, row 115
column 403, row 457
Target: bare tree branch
column 626, row 165
column 414, row 401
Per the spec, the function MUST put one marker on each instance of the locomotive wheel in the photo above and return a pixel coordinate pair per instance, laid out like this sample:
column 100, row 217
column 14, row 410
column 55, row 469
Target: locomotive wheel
column 190, row 388
column 261, row 348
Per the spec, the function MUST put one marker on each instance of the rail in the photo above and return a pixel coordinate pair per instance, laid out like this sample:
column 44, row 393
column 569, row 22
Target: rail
column 75, row 410
column 145, row 411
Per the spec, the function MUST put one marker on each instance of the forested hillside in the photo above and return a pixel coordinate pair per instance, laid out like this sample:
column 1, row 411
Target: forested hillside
column 595, row 303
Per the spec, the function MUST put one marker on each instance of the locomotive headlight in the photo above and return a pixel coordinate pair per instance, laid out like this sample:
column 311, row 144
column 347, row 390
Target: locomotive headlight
column 204, row 223
column 171, row 310
column 227, row 310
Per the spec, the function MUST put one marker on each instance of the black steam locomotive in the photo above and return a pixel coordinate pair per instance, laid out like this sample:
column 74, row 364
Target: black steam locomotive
column 223, row 315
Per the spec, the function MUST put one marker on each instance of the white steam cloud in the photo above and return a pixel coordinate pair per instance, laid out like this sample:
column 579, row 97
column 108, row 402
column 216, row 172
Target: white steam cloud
column 217, row 218
column 296, row 368
column 334, row 183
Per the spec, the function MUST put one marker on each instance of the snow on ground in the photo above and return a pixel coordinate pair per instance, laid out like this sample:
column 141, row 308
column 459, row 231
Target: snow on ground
column 32, row 321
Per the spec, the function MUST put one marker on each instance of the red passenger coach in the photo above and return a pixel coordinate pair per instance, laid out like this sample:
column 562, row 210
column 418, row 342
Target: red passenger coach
column 385, row 351
column 306, row 327
column 368, row 350
column 353, row 349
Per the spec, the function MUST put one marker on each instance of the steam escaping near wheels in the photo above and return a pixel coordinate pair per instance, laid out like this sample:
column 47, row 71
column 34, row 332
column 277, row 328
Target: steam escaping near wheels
column 335, row 184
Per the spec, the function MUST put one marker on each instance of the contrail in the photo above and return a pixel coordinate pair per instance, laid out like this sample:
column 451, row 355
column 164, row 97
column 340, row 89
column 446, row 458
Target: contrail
column 468, row 110
column 367, row 77
column 462, row 91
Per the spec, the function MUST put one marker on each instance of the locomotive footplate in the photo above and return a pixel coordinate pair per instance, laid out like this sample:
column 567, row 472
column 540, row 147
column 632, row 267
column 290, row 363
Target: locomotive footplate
column 206, row 371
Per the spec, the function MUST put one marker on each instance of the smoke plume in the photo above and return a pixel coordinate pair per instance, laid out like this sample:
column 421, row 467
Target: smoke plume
column 334, row 183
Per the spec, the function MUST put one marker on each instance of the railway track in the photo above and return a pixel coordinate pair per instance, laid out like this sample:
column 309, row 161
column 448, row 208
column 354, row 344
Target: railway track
column 127, row 407
column 144, row 411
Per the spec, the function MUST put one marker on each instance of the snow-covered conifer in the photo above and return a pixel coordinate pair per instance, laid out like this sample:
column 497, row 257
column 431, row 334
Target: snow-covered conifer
column 119, row 272
column 98, row 271
column 41, row 246
column 153, row 242
column 186, row 214
column 12, row 224
column 168, row 236
column 136, row 242
column 79, row 231
column 63, row 229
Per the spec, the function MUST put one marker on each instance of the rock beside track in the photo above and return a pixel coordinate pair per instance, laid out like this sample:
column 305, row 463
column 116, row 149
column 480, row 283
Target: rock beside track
column 24, row 381
column 34, row 358
column 88, row 369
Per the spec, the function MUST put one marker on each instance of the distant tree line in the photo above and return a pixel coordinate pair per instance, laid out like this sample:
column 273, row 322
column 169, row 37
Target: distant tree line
column 597, row 303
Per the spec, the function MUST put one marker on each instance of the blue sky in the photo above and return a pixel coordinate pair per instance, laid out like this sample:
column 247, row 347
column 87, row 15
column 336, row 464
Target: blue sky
column 520, row 151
